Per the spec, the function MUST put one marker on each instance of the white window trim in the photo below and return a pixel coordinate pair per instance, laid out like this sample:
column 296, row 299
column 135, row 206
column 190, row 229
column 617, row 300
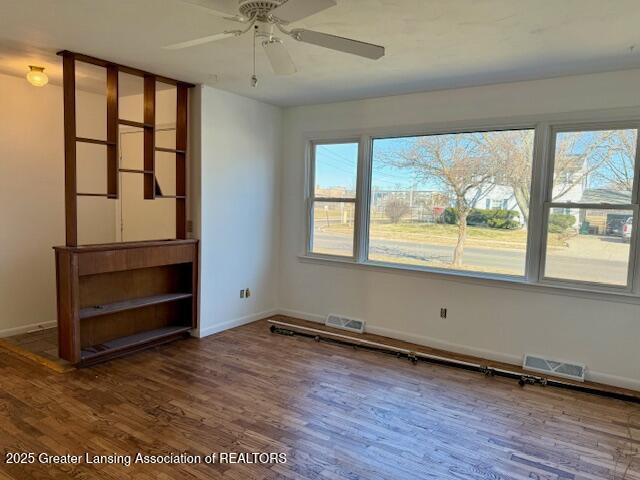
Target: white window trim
column 311, row 199
column 545, row 127
column 548, row 204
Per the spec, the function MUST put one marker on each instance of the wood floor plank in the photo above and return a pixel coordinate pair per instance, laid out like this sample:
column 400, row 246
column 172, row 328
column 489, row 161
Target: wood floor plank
column 338, row 413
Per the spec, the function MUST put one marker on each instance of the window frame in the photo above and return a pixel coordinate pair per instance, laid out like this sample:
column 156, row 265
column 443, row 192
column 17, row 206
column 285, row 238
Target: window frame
column 631, row 285
column 444, row 131
column 545, row 128
column 312, row 199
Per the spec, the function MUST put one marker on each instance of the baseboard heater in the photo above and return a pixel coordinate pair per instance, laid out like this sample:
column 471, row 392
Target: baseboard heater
column 290, row 329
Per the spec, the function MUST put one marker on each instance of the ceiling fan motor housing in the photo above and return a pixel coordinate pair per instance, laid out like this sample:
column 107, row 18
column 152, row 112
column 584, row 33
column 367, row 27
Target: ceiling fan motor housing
column 258, row 9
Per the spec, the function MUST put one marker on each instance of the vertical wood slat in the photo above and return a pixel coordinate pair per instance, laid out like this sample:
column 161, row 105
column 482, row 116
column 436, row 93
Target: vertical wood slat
column 112, row 131
column 194, row 287
column 181, row 161
column 68, row 304
column 70, row 176
column 149, row 137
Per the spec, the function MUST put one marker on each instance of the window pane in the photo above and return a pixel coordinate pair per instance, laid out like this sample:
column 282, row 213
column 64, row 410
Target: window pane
column 594, row 166
column 589, row 245
column 336, row 170
column 456, row 201
column 333, row 228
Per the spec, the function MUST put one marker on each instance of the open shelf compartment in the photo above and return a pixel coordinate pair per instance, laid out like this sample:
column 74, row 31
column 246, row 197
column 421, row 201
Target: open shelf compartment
column 134, row 303
column 131, row 343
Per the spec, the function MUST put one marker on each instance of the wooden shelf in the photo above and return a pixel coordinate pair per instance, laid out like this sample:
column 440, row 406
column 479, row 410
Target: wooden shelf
column 131, row 343
column 94, row 141
column 98, row 310
column 131, row 123
column 169, row 150
column 178, row 197
column 131, row 170
column 84, row 194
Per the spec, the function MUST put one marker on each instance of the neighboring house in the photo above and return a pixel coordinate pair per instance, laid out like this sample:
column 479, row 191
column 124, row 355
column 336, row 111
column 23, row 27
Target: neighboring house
column 496, row 197
column 569, row 185
column 601, row 221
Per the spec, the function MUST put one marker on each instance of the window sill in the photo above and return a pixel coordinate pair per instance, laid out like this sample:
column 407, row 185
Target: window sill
column 486, row 280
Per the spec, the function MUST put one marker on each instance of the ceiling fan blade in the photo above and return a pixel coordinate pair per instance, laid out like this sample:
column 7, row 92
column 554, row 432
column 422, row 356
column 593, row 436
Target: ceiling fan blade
column 279, row 57
column 200, row 41
column 294, row 10
column 227, row 9
column 340, row 44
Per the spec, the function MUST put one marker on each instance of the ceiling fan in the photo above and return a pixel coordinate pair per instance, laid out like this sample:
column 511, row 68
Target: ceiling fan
column 266, row 17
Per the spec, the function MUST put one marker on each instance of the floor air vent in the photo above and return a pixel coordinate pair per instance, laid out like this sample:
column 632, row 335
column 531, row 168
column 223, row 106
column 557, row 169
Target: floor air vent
column 574, row 371
column 336, row 321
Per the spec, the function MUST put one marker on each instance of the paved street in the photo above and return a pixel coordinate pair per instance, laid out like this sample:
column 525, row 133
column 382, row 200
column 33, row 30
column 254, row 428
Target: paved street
column 561, row 263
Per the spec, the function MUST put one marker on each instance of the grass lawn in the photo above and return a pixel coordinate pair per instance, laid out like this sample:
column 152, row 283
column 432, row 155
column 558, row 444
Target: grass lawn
column 444, row 234
column 447, row 265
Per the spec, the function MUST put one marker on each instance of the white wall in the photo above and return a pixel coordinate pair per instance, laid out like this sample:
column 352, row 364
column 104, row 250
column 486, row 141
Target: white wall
column 32, row 199
column 236, row 176
column 495, row 322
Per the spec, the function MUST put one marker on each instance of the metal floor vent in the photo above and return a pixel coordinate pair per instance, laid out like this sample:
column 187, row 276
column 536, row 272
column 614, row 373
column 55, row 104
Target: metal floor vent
column 351, row 324
column 537, row 363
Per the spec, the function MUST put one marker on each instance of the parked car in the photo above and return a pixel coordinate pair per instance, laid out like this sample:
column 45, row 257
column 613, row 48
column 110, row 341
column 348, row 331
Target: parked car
column 614, row 227
column 626, row 229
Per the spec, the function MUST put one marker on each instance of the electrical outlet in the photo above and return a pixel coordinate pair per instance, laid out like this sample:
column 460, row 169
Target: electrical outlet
column 443, row 312
column 247, row 292
column 242, row 293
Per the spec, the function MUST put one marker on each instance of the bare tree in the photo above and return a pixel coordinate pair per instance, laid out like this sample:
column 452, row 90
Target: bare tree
column 395, row 209
column 617, row 169
column 512, row 151
column 453, row 163
column 577, row 157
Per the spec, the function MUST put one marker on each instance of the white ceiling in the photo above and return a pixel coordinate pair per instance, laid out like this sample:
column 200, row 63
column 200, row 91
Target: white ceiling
column 431, row 44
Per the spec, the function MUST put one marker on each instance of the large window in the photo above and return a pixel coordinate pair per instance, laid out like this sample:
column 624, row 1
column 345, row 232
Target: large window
column 333, row 198
column 457, row 201
column 590, row 207
column 484, row 203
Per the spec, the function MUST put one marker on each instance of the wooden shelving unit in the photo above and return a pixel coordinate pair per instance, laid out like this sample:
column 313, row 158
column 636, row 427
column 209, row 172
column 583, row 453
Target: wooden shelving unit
column 118, row 298
column 148, row 126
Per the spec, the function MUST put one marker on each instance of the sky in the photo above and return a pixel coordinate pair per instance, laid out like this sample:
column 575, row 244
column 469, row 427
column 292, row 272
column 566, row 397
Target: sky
column 336, row 164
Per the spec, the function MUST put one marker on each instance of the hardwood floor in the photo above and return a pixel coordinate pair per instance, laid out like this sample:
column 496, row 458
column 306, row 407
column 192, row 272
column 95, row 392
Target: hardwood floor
column 338, row 413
